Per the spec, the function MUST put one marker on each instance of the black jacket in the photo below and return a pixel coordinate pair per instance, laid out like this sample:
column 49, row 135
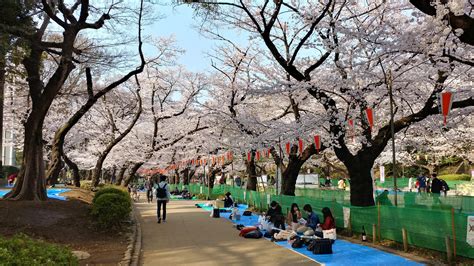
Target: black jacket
column 436, row 185
column 275, row 214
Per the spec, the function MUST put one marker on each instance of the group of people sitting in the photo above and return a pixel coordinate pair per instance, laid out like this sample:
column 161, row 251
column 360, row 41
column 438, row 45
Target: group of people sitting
column 311, row 226
column 185, row 194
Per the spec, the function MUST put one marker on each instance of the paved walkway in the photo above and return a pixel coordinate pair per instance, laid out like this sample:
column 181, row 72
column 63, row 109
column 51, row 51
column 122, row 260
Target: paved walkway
column 191, row 237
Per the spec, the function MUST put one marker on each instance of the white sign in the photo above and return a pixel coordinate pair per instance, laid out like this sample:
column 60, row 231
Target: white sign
column 470, row 230
column 278, row 180
column 268, row 199
column 245, row 195
column 200, row 188
column 382, row 174
column 347, row 215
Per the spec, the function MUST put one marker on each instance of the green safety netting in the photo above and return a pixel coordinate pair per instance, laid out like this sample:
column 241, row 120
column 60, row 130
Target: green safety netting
column 427, row 219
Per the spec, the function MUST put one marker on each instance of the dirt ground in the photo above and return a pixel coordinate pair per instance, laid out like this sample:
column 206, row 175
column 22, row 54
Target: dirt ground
column 64, row 222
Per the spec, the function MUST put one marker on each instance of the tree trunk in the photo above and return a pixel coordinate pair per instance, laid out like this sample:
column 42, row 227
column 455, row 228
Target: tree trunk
column 187, row 175
column 292, row 169
column 176, row 177
column 132, row 173
column 56, row 164
column 98, row 167
column 3, row 41
column 121, row 173
column 114, row 175
column 290, row 175
column 30, row 183
column 212, row 176
column 251, row 170
column 361, row 182
column 76, row 177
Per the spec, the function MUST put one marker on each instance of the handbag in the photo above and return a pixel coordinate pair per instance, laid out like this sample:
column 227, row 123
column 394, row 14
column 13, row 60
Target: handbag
column 215, row 213
column 247, row 213
column 298, row 243
column 322, row 246
column 311, row 245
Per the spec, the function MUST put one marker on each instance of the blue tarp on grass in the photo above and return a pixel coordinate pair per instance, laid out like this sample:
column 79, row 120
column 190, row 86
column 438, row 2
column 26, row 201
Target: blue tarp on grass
column 53, row 193
column 344, row 252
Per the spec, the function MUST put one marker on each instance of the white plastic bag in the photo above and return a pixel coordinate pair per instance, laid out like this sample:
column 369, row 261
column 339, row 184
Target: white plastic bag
column 263, row 224
column 330, row 234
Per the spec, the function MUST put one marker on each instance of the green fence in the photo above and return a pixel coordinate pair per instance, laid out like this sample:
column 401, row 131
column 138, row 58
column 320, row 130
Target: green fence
column 426, row 218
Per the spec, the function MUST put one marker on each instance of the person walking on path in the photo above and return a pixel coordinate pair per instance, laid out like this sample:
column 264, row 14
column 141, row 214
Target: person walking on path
column 436, row 184
column 149, row 189
column 162, row 197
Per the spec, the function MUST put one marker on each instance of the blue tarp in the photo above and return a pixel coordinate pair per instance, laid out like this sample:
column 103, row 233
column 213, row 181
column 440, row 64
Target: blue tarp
column 344, row 252
column 53, row 193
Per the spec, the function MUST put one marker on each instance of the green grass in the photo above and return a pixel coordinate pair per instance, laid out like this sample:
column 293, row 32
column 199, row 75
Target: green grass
column 455, row 177
column 23, row 250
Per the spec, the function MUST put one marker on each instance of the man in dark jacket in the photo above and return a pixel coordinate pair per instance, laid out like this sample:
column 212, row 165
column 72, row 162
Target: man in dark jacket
column 275, row 215
column 436, row 184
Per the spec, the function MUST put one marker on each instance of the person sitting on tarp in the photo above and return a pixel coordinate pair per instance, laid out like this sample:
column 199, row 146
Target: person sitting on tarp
column 329, row 223
column 228, row 201
column 294, row 216
column 312, row 221
column 175, row 191
column 185, row 193
column 275, row 215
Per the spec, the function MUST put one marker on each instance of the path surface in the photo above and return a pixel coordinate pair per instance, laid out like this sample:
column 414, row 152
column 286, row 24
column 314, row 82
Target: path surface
column 191, row 237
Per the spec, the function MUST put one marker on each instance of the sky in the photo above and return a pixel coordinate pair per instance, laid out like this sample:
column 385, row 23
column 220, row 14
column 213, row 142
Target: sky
column 179, row 21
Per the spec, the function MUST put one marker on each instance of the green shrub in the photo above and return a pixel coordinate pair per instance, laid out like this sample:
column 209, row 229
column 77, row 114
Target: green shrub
column 201, row 196
column 110, row 190
column 453, row 177
column 23, row 250
column 86, row 184
column 110, row 209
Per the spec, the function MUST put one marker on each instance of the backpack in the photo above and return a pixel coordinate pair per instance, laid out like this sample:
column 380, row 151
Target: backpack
column 298, row 243
column 161, row 192
column 445, row 185
column 254, row 234
column 322, row 246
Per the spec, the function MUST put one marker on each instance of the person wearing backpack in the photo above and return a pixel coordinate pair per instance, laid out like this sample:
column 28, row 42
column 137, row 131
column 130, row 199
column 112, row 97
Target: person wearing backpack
column 162, row 197
column 444, row 187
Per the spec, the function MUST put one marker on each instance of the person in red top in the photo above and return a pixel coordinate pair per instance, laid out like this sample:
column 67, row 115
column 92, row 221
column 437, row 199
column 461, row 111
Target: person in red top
column 329, row 222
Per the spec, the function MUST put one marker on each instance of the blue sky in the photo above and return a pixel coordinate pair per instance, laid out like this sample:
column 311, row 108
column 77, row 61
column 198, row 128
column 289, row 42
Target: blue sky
column 179, row 21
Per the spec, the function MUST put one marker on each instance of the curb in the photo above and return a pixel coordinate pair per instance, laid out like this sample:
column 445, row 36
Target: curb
column 132, row 254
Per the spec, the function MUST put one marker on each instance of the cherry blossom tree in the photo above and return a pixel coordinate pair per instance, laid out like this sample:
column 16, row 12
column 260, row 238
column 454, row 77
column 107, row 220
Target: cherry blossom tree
column 347, row 56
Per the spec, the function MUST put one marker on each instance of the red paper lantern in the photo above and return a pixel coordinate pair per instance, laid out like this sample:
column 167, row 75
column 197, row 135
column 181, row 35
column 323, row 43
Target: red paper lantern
column 249, row 156
column 446, row 102
column 257, row 155
column 351, row 128
column 369, row 114
column 288, row 148
column 300, row 145
column 317, row 142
